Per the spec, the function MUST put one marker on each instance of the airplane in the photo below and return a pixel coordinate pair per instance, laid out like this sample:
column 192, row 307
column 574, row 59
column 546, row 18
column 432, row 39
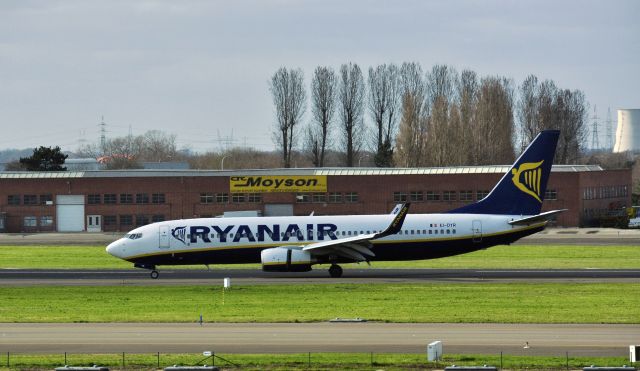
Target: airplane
column 511, row 210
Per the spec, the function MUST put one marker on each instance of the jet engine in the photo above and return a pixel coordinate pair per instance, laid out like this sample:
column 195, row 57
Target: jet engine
column 286, row 259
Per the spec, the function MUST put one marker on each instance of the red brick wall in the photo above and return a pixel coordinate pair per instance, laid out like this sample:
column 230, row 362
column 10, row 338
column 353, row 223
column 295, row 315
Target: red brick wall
column 182, row 195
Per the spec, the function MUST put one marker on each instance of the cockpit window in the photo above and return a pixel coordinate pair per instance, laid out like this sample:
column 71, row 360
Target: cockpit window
column 133, row 236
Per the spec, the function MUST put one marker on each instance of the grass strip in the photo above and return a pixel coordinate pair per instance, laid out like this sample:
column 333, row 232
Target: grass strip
column 309, row 361
column 432, row 303
column 497, row 257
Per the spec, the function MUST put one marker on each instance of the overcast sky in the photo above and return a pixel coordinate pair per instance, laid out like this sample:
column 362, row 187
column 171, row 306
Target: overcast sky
column 199, row 69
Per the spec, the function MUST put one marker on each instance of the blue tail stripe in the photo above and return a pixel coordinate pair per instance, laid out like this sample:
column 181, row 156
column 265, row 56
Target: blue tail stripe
column 521, row 190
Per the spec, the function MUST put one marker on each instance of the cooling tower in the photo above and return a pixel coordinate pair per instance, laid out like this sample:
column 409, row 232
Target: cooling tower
column 628, row 131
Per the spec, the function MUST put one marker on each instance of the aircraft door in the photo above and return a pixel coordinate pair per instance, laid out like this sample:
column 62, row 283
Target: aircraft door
column 164, row 237
column 477, row 231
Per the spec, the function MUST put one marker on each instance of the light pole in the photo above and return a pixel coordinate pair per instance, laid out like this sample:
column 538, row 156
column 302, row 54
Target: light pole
column 361, row 157
column 222, row 161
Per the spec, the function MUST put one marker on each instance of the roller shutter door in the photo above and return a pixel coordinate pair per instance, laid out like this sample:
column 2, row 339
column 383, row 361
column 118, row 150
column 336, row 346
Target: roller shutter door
column 278, row 210
column 70, row 213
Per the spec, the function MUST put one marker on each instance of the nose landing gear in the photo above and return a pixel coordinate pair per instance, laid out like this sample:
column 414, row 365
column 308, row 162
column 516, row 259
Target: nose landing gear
column 154, row 273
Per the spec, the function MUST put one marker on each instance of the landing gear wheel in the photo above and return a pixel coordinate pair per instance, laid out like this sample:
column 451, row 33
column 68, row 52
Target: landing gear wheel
column 154, row 274
column 335, row 271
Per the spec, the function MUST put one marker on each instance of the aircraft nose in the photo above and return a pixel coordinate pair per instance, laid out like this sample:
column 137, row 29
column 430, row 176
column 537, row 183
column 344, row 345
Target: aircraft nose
column 114, row 248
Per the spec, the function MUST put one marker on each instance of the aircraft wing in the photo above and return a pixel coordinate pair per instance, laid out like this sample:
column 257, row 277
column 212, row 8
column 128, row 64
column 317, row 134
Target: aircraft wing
column 543, row 217
column 357, row 248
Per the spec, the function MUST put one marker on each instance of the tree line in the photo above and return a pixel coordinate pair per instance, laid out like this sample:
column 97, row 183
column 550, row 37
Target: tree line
column 407, row 117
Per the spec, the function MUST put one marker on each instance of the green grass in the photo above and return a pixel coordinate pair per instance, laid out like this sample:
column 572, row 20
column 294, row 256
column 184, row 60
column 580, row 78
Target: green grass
column 498, row 257
column 468, row 303
column 306, row 361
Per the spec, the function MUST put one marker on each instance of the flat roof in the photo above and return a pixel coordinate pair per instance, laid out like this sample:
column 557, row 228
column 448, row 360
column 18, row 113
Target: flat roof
column 144, row 173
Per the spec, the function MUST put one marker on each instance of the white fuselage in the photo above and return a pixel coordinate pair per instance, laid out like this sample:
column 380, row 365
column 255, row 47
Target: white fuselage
column 188, row 236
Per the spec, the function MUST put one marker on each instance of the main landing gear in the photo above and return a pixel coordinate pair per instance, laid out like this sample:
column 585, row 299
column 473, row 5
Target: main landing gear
column 335, row 271
column 154, row 274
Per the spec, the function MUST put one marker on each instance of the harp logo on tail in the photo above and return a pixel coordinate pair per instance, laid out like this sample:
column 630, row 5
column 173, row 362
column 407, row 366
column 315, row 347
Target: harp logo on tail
column 527, row 178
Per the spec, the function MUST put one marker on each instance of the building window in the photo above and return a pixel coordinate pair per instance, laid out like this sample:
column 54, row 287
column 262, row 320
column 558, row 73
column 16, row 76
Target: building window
column 126, row 198
column 30, row 199
column 449, row 196
column 254, row 197
column 142, row 220
column 399, row 196
column 93, row 199
column 433, row 196
column 109, row 198
column 237, row 197
column 551, row 194
column 126, row 220
column 30, row 221
column 335, row 197
column 157, row 198
column 303, row 197
column 319, row 197
column 142, row 198
column 46, row 221
column 46, row 198
column 109, row 220
column 351, row 197
column 13, row 199
column 157, row 218
column 417, row 196
column 222, row 198
column 206, row 198
column 466, row 195
column 481, row 194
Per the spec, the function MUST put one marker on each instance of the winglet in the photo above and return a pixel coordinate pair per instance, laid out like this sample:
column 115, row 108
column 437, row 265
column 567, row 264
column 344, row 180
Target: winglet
column 396, row 223
column 396, row 209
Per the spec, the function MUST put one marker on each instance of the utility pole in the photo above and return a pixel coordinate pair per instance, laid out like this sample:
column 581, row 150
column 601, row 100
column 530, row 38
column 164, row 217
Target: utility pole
column 595, row 142
column 103, row 136
column 609, row 130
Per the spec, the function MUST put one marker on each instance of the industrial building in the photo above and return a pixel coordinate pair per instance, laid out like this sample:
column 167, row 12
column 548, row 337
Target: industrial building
column 95, row 201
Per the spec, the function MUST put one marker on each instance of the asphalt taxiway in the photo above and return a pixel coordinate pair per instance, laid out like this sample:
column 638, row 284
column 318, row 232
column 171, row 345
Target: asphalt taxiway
column 542, row 339
column 73, row 277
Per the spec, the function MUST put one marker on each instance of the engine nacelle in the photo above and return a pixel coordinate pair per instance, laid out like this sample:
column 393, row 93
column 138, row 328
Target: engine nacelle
column 286, row 259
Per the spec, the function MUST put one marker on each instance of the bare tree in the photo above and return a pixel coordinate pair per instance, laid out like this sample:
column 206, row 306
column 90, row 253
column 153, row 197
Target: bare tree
column 411, row 140
column 323, row 98
column 545, row 106
column 572, row 116
column 351, row 105
column 312, row 146
column 158, row 146
column 443, row 133
column 467, row 102
column 527, row 109
column 289, row 99
column 384, row 103
column 495, row 121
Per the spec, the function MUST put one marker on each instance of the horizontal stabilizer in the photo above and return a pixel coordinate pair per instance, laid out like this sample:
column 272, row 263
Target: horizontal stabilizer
column 543, row 217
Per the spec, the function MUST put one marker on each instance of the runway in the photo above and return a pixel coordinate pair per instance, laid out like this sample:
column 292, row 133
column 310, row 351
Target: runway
column 29, row 277
column 547, row 339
